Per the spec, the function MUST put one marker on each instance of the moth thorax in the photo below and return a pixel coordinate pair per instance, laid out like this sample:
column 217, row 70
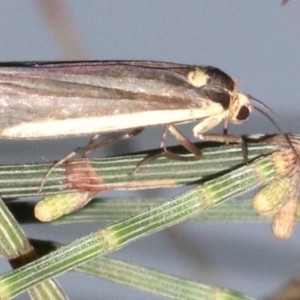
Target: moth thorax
column 240, row 108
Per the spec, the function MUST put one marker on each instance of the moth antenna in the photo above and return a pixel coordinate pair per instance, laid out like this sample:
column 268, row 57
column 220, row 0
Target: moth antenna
column 278, row 124
column 282, row 129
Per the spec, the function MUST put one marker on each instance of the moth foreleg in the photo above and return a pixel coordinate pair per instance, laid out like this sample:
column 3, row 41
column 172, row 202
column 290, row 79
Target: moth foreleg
column 92, row 145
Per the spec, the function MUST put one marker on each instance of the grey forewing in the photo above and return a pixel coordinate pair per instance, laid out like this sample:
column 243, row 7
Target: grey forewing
column 219, row 80
column 43, row 91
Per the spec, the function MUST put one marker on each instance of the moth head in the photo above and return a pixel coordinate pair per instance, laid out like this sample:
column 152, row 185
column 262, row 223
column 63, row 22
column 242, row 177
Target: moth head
column 240, row 108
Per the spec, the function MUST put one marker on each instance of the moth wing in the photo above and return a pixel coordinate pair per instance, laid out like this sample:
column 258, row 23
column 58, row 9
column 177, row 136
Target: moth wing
column 153, row 93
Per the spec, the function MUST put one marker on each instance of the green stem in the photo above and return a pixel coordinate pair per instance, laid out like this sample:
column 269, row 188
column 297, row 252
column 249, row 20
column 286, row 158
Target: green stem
column 16, row 248
column 113, row 173
column 106, row 240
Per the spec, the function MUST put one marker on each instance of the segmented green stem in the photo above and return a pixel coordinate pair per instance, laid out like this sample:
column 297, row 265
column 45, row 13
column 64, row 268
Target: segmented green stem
column 17, row 249
column 113, row 173
column 106, row 240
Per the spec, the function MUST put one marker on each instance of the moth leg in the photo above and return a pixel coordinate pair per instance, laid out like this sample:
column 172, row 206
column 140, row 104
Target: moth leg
column 188, row 145
column 163, row 139
column 211, row 122
column 53, row 166
column 92, row 145
column 185, row 142
column 227, row 139
column 208, row 124
column 147, row 159
column 182, row 140
column 91, row 142
column 225, row 127
column 221, row 138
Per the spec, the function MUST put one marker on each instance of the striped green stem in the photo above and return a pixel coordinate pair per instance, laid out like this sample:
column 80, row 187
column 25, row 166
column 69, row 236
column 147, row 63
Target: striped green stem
column 180, row 208
column 113, row 173
column 17, row 249
column 112, row 210
column 155, row 282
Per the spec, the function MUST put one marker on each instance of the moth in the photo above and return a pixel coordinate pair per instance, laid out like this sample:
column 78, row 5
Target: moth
column 48, row 100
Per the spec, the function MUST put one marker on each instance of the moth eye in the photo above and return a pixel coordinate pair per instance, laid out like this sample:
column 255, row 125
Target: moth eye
column 243, row 113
